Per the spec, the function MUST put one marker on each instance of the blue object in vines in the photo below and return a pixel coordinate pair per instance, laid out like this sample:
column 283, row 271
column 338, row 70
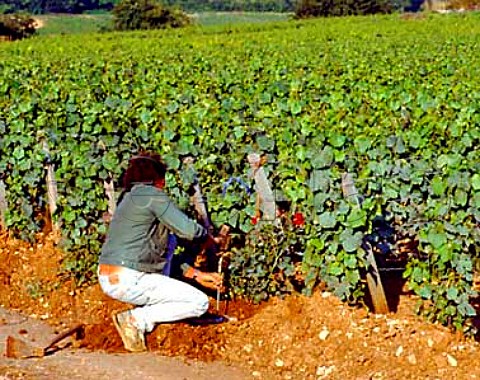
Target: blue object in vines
column 240, row 181
column 171, row 246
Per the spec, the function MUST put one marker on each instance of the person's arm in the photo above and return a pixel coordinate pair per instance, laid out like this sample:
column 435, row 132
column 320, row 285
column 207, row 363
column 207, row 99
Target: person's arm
column 184, row 227
column 176, row 220
column 209, row 280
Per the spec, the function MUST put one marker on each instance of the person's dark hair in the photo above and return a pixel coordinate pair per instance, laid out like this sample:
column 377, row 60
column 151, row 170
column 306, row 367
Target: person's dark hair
column 146, row 168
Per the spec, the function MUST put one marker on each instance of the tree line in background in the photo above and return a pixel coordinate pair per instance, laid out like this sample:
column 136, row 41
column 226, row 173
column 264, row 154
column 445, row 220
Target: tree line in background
column 327, row 7
column 55, row 6
column 79, row 6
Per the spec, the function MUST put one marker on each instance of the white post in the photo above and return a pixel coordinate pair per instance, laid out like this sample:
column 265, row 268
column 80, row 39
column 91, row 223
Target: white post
column 349, row 189
column 110, row 192
column 197, row 198
column 263, row 188
column 52, row 190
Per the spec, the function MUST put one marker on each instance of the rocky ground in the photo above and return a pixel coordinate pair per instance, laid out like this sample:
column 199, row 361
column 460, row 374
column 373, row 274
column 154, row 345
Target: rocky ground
column 294, row 338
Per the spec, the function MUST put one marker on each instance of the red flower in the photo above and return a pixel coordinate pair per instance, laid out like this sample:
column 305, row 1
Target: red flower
column 254, row 220
column 298, row 219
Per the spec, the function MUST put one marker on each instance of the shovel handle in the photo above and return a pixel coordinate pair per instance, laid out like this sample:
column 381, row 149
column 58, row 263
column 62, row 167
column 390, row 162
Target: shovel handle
column 63, row 335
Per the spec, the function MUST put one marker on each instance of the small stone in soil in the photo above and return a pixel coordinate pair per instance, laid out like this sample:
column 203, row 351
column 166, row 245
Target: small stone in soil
column 323, row 334
column 324, row 371
column 452, row 361
column 412, row 359
column 399, row 351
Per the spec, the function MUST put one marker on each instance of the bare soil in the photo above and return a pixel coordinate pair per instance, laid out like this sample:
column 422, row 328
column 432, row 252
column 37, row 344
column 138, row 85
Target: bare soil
column 298, row 337
column 39, row 23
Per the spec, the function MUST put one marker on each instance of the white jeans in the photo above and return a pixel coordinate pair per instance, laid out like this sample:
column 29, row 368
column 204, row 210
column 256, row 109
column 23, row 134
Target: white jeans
column 160, row 298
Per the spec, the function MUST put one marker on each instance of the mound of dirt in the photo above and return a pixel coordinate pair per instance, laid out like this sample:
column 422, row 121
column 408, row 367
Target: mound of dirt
column 298, row 337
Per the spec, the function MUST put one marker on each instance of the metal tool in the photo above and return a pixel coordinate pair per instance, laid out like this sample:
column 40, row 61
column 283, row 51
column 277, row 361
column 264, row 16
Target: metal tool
column 224, row 234
column 19, row 349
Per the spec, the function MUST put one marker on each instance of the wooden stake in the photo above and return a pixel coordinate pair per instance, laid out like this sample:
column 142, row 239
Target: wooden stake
column 52, row 191
column 263, row 188
column 197, row 198
column 110, row 192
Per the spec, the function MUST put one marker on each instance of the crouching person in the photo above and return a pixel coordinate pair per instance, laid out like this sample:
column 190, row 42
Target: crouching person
column 135, row 254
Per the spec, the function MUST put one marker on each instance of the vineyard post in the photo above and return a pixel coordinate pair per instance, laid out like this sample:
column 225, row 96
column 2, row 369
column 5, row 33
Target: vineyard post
column 52, row 190
column 109, row 188
column 374, row 281
column 3, row 204
column 110, row 192
column 262, row 187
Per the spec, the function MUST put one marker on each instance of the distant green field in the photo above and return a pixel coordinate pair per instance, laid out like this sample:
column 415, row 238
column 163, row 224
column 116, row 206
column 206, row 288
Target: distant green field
column 88, row 23
column 222, row 18
column 73, row 24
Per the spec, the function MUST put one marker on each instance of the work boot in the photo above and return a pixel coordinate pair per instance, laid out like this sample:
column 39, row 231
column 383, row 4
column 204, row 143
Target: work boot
column 133, row 338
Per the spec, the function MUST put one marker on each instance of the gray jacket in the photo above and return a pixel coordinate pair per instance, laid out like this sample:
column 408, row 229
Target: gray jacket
column 138, row 234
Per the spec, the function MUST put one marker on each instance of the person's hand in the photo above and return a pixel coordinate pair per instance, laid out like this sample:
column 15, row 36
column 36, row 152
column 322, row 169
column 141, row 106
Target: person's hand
column 209, row 280
column 213, row 242
column 209, row 243
column 219, row 240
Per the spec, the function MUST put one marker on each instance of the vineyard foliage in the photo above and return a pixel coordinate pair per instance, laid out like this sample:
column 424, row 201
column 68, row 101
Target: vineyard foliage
column 393, row 102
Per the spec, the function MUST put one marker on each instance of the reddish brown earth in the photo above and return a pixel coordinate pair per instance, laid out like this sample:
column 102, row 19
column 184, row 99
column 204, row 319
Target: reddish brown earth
column 295, row 338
